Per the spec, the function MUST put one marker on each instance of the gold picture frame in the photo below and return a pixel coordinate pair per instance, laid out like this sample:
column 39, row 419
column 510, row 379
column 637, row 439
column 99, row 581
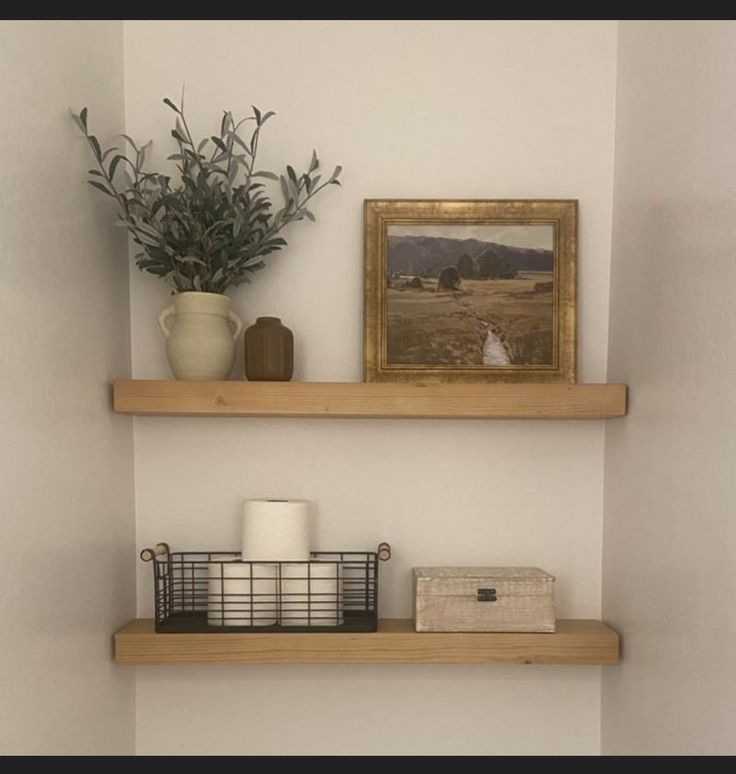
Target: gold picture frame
column 470, row 290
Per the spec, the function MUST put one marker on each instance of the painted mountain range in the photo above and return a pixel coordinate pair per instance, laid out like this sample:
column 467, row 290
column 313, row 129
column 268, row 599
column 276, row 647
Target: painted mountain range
column 425, row 256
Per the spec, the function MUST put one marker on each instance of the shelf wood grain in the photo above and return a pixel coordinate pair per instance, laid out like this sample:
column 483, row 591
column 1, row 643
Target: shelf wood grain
column 576, row 642
column 369, row 399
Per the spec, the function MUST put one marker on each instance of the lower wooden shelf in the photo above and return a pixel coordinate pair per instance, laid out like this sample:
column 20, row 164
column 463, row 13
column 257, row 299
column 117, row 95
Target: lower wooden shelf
column 576, row 642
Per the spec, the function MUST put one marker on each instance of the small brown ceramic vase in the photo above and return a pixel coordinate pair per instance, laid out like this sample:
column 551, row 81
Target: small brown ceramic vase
column 269, row 351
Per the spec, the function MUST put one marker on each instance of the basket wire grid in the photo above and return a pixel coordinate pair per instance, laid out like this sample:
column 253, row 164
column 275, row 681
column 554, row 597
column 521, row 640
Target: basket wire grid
column 216, row 591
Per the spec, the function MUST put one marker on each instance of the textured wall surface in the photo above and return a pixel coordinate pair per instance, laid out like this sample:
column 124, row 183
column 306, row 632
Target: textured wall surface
column 670, row 538
column 66, row 461
column 477, row 110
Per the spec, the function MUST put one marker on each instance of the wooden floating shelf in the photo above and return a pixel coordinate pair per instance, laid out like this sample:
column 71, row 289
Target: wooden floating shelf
column 576, row 642
column 370, row 399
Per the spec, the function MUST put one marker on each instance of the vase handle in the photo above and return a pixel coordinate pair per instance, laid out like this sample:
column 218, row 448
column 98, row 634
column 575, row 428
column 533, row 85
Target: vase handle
column 165, row 314
column 237, row 323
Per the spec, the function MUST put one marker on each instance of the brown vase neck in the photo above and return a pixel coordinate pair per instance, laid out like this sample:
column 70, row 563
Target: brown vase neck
column 269, row 320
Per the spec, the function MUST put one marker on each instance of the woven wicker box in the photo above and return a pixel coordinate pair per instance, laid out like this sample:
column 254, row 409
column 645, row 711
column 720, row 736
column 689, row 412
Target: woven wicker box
column 483, row 599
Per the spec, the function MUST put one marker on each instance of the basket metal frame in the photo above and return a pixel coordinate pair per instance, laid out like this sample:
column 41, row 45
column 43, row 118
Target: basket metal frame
column 181, row 596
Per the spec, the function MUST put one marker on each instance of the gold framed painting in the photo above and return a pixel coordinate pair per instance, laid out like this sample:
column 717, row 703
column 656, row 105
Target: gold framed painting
column 470, row 290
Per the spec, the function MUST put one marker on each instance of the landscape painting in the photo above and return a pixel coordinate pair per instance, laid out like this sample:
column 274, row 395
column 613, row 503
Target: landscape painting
column 472, row 298
column 470, row 295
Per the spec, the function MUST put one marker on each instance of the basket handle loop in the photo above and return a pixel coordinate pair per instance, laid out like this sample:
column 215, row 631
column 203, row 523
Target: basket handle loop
column 384, row 552
column 160, row 549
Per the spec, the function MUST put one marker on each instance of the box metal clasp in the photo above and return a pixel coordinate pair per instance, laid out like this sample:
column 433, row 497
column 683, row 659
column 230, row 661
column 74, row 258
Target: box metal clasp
column 487, row 595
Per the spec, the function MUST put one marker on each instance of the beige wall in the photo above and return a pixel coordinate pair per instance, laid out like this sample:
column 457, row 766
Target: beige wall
column 670, row 535
column 66, row 486
column 491, row 110
column 486, row 110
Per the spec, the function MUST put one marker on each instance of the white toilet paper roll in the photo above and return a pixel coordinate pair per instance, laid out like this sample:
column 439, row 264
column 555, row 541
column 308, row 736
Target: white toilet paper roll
column 276, row 530
column 242, row 594
column 194, row 577
column 311, row 594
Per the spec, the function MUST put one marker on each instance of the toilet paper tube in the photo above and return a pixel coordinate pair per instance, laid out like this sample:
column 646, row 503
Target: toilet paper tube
column 311, row 594
column 276, row 530
column 242, row 594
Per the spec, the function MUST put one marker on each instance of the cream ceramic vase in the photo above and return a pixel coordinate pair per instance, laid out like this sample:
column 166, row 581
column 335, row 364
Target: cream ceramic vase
column 200, row 331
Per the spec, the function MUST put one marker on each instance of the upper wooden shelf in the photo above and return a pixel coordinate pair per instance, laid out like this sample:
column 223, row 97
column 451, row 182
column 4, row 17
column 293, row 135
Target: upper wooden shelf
column 576, row 642
column 370, row 399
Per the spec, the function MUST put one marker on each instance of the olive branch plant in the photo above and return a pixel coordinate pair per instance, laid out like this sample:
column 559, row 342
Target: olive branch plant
column 214, row 227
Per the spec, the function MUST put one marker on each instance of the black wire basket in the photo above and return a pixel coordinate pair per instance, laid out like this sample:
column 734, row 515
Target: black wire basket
column 215, row 591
